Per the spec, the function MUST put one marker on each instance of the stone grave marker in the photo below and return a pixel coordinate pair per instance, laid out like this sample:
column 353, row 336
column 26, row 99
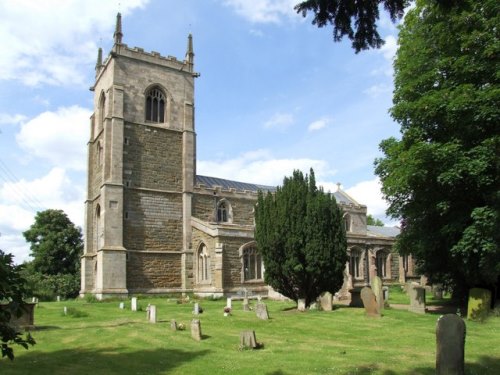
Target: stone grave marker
column 152, row 313
column 376, row 285
column 261, row 311
column 450, row 345
column 301, row 304
column 65, row 310
column 196, row 329
column 370, row 302
column 196, row 308
column 326, row 301
column 148, row 312
column 173, row 325
column 122, row 305
column 437, row 291
column 58, row 298
column 229, row 303
column 133, row 304
column 479, row 304
column 248, row 340
column 246, row 305
column 417, row 299
column 355, row 297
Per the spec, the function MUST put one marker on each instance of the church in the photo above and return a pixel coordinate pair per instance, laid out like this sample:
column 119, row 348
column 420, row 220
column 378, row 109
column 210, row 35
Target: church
column 152, row 225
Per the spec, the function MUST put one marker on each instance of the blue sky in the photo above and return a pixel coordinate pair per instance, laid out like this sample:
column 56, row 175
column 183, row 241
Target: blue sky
column 275, row 94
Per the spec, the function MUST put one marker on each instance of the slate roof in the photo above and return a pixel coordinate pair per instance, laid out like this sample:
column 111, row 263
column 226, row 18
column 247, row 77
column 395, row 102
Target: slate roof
column 211, row 182
column 376, row 231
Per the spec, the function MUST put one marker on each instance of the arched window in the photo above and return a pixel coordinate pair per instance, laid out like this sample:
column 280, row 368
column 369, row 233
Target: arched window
column 97, row 227
column 381, row 259
column 203, row 264
column 252, row 264
column 224, row 212
column 102, row 110
column 354, row 263
column 155, row 105
column 347, row 222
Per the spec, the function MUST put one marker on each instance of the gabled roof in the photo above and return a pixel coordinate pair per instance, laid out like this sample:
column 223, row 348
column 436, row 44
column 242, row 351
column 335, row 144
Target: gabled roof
column 376, row 231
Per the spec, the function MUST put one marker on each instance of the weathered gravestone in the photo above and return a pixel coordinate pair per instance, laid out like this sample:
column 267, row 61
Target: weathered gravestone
column 417, row 299
column 326, row 301
column 133, row 304
column 301, row 304
column 370, row 302
column 450, row 345
column 229, row 303
column 437, row 291
column 196, row 329
column 122, row 305
column 376, row 285
column 152, row 313
column 261, row 311
column 248, row 340
column 246, row 306
column 196, row 309
column 479, row 304
column 173, row 325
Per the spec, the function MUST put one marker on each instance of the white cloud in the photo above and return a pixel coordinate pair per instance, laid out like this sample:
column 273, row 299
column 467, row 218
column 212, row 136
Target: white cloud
column 11, row 119
column 376, row 90
column 369, row 194
column 261, row 168
column 388, row 50
column 19, row 202
column 318, row 124
column 280, row 121
column 58, row 137
column 48, row 41
column 264, row 11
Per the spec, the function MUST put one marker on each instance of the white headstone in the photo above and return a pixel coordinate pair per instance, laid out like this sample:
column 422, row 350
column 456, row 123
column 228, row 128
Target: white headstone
column 58, row 298
column 133, row 304
column 122, row 305
column 196, row 309
column 65, row 309
column 229, row 302
column 152, row 314
column 301, row 304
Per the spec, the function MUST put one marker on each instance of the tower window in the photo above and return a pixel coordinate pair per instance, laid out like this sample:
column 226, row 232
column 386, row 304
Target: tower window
column 155, row 106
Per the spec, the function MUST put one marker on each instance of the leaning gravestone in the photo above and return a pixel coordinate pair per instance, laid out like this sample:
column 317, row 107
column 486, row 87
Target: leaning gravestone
column 173, row 325
column 377, row 290
column 248, row 340
column 261, row 311
column 417, row 299
column 133, row 304
column 370, row 302
column 326, row 301
column 479, row 304
column 450, row 345
column 196, row 329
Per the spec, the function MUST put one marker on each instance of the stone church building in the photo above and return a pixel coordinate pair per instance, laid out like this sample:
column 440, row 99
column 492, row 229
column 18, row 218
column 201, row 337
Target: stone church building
column 152, row 225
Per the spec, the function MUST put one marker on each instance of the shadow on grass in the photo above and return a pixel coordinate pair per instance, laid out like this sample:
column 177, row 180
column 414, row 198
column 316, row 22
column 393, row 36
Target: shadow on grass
column 102, row 361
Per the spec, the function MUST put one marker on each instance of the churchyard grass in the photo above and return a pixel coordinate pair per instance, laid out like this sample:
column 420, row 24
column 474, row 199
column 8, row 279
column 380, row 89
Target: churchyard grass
column 100, row 338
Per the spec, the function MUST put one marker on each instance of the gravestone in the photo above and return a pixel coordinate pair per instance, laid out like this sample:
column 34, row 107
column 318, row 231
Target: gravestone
column 173, row 325
column 65, row 310
column 148, row 309
column 122, row 305
column 385, row 293
column 450, row 345
column 261, row 311
column 27, row 318
column 326, row 301
column 152, row 313
column 417, row 299
column 376, row 285
column 479, row 304
column 133, row 304
column 196, row 329
column 370, row 302
column 248, row 340
column 437, row 291
column 229, row 303
column 58, row 298
column 196, row 309
column 356, row 297
column 246, row 306
column 301, row 304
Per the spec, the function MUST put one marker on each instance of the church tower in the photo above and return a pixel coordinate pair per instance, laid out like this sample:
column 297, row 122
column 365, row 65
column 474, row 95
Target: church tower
column 141, row 171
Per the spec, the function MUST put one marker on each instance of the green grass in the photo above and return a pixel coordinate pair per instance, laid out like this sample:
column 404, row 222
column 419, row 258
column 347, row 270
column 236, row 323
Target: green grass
column 112, row 341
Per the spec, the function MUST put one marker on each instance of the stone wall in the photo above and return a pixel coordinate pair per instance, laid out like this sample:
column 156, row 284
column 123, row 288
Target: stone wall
column 147, row 271
column 204, row 206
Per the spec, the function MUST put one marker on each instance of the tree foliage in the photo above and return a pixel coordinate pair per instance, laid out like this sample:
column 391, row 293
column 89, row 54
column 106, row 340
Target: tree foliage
column 370, row 220
column 442, row 177
column 55, row 242
column 11, row 297
column 301, row 238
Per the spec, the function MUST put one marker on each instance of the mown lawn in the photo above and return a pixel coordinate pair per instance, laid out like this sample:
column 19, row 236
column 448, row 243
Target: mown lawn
column 107, row 340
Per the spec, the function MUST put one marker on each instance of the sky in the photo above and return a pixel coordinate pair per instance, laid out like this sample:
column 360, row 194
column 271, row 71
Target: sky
column 275, row 93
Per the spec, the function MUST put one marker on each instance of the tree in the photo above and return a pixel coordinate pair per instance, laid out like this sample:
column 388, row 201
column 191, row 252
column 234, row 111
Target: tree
column 55, row 243
column 370, row 220
column 11, row 298
column 357, row 19
column 442, row 177
column 300, row 235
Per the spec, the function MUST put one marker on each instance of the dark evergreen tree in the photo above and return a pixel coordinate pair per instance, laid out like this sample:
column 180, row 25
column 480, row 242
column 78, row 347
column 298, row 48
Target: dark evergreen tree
column 442, row 178
column 300, row 235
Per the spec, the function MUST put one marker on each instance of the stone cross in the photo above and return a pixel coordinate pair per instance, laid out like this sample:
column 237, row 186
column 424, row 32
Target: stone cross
column 133, row 304
column 417, row 299
column 248, row 340
column 152, row 313
column 261, row 311
column 196, row 329
column 370, row 302
column 450, row 345
column 326, row 301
